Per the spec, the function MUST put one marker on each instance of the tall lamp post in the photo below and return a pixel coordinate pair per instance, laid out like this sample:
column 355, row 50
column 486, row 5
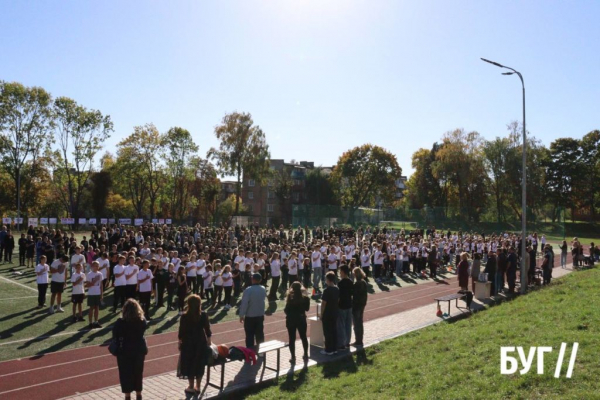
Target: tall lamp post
column 524, row 181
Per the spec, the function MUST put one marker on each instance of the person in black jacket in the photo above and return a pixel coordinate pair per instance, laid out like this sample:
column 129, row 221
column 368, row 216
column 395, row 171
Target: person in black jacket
column 344, row 321
column 9, row 246
column 130, row 358
column 194, row 339
column 22, row 249
column 329, row 314
column 359, row 302
column 296, row 305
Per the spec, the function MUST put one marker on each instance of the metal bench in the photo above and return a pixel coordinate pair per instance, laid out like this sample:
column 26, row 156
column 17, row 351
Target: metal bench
column 455, row 296
column 263, row 349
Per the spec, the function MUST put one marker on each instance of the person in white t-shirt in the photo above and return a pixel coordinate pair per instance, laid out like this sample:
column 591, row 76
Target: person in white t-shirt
column 78, row 293
column 315, row 259
column 275, row 276
column 218, row 280
column 58, row 282
column 77, row 258
column 192, row 274
column 95, row 293
column 41, row 272
column 144, row 279
column 120, row 283
column 292, row 264
column 377, row 261
column 207, row 276
column 131, row 271
column 227, row 278
column 365, row 262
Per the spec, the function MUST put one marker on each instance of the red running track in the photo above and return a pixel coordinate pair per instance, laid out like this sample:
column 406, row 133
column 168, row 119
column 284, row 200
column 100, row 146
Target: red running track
column 68, row 372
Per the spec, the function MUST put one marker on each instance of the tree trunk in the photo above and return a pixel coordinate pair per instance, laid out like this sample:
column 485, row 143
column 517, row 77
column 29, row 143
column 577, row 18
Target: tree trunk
column 238, row 190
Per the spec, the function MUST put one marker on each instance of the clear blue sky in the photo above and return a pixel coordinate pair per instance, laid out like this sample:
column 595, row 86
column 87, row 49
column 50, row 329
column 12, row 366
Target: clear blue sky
column 318, row 76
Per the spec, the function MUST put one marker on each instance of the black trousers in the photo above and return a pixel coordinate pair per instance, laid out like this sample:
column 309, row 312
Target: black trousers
column 145, row 303
column 330, row 333
column 255, row 330
column 21, row 257
column 274, row 286
column 193, row 280
column 130, row 291
column 131, row 372
column 160, row 289
column 119, row 297
column 42, row 289
column 228, row 290
column 357, row 320
column 300, row 326
column 8, row 255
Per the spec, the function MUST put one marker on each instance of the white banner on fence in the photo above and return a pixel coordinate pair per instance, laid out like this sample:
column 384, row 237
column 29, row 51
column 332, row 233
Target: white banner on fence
column 104, row 221
column 44, row 221
column 139, row 221
column 154, row 220
column 168, row 221
column 18, row 220
column 53, row 220
column 111, row 220
column 32, row 222
column 125, row 221
column 92, row 221
column 161, row 221
column 6, row 220
column 67, row 221
column 82, row 221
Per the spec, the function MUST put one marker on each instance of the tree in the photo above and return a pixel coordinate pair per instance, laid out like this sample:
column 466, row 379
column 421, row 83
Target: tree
column 144, row 149
column 562, row 171
column 25, row 123
column 80, row 133
column 102, row 183
column 282, row 188
column 424, row 187
column 181, row 151
column 365, row 175
column 590, row 162
column 243, row 150
column 497, row 154
column 319, row 188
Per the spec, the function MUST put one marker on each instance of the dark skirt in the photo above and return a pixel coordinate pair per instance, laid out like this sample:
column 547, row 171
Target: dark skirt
column 131, row 371
column 192, row 360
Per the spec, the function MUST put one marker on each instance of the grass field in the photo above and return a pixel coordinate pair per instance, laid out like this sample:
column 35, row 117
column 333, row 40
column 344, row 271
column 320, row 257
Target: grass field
column 461, row 360
column 26, row 331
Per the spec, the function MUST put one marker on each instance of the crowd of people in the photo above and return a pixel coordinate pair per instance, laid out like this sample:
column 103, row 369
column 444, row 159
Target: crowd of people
column 198, row 269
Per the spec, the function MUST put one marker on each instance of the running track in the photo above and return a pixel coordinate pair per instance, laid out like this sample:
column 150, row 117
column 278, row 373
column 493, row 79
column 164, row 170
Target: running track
column 68, row 372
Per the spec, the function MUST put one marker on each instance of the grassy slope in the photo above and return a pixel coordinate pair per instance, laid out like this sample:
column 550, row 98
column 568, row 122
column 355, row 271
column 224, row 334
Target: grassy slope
column 461, row 360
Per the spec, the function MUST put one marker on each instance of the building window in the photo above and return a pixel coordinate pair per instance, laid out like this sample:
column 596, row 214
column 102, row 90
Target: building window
column 250, row 195
column 270, row 182
column 296, row 196
column 251, row 182
column 249, row 207
column 270, row 195
column 270, row 207
column 297, row 182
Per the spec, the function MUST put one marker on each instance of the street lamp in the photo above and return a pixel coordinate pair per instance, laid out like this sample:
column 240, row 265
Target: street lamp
column 524, row 182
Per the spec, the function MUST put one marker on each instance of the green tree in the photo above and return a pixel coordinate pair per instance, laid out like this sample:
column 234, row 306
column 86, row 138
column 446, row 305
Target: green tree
column 25, row 126
column 590, row 162
column 497, row 154
column 243, row 149
column 80, row 133
column 366, row 175
column 319, row 188
column 181, row 151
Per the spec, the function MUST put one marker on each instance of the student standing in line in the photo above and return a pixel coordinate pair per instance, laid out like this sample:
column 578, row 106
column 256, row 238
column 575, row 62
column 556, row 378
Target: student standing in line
column 104, row 269
column 292, row 268
column 58, row 282
column 236, row 275
column 296, row 305
column 78, row 293
column 22, row 249
column 218, row 280
column 130, row 327
column 120, row 283
column 208, row 284
column 95, row 292
column 182, row 289
column 329, row 314
column 191, row 273
column 9, row 246
column 359, row 302
column 275, row 276
column 144, row 279
column 252, row 313
column 41, row 272
column 131, row 271
column 227, row 278
column 171, row 286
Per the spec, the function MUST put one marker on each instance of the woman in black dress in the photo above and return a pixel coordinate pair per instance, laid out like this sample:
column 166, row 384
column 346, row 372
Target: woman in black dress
column 296, row 306
column 194, row 339
column 130, row 359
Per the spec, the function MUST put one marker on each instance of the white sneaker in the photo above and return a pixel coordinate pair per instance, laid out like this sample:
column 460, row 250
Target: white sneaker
column 227, row 307
column 325, row 353
column 180, row 312
column 60, row 309
column 51, row 310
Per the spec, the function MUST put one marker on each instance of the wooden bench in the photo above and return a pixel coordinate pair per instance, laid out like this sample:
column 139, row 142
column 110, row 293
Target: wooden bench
column 455, row 296
column 263, row 349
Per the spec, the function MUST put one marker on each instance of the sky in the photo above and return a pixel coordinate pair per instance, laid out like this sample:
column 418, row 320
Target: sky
column 318, row 76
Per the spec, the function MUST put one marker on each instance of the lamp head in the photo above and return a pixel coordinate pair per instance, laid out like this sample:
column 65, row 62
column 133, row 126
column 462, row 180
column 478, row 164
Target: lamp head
column 507, row 73
column 493, row 62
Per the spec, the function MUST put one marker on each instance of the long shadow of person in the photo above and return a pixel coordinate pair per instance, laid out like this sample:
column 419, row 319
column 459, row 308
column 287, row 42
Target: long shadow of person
column 333, row 369
column 361, row 358
column 272, row 308
column 294, row 380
